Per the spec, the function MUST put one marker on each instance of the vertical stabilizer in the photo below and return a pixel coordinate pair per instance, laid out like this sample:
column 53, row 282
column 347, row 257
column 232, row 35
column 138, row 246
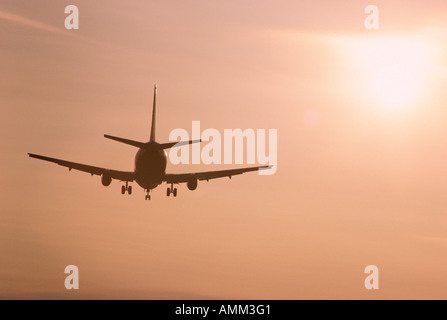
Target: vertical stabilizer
column 153, row 115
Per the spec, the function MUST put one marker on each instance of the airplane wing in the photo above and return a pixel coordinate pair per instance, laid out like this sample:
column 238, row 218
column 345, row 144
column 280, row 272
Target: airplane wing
column 115, row 174
column 207, row 175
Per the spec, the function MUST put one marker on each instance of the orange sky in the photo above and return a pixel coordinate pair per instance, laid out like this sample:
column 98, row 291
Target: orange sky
column 360, row 180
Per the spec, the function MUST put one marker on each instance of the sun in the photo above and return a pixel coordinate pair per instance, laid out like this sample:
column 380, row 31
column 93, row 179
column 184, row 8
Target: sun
column 396, row 83
column 395, row 69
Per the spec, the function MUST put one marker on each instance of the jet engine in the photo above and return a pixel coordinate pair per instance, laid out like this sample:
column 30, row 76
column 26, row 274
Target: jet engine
column 106, row 179
column 192, row 184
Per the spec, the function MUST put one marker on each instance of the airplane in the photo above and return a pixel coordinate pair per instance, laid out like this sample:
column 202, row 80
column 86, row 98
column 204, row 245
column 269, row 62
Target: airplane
column 150, row 165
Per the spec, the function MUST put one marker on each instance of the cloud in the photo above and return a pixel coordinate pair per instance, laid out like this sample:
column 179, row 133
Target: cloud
column 35, row 24
column 435, row 240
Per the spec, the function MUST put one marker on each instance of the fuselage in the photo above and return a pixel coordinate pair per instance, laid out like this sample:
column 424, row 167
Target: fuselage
column 150, row 166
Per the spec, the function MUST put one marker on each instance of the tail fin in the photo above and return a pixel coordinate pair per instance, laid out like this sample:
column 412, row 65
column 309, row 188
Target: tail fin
column 153, row 115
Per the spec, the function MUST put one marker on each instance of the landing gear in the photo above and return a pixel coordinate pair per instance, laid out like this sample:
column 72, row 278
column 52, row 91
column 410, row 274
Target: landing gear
column 126, row 188
column 171, row 190
column 148, row 196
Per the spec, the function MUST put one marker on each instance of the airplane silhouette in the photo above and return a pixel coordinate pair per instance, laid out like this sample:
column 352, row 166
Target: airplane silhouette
column 150, row 165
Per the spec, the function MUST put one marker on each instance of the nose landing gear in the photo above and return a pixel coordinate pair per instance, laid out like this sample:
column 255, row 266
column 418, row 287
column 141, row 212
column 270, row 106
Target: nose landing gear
column 148, row 196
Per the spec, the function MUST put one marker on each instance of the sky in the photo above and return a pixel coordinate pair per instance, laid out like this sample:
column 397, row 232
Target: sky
column 361, row 175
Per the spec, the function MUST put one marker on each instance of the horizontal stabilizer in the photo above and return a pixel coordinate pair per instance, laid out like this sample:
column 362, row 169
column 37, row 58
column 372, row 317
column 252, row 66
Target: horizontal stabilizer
column 134, row 143
column 177, row 144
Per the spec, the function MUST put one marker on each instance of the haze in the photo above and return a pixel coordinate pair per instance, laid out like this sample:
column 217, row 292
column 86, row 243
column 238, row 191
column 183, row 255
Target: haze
column 361, row 177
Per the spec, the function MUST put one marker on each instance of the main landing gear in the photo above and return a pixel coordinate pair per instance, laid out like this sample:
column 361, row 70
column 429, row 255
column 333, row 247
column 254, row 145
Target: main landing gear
column 148, row 196
column 171, row 190
column 126, row 188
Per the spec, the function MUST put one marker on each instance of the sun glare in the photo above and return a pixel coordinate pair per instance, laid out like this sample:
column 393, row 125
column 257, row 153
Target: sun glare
column 396, row 69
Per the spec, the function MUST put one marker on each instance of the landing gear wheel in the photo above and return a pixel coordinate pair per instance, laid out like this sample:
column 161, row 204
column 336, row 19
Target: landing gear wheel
column 123, row 189
column 148, row 196
column 168, row 192
column 175, row 192
column 129, row 190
